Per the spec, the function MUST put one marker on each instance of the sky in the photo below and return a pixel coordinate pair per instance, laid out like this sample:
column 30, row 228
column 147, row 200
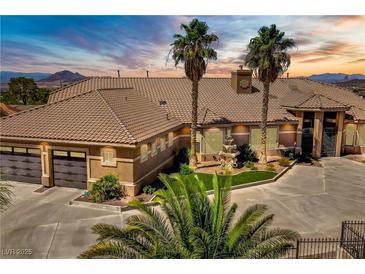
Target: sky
column 101, row 45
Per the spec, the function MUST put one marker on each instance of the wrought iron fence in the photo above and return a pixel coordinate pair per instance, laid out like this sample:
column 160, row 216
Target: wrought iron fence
column 351, row 245
column 353, row 238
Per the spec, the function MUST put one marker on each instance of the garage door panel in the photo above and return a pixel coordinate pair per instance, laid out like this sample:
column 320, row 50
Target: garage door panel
column 69, row 171
column 20, row 167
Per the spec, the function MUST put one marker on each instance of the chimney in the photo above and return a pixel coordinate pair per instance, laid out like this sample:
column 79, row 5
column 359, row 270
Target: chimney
column 147, row 73
column 241, row 80
column 118, row 73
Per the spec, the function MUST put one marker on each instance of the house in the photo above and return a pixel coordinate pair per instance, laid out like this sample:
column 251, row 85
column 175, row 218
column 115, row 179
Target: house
column 134, row 127
column 6, row 110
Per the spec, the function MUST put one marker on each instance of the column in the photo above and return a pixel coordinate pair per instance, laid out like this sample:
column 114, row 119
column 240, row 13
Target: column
column 46, row 161
column 317, row 134
column 298, row 142
column 339, row 123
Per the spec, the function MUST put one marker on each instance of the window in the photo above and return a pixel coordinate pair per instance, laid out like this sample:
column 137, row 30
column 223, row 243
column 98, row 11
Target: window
column 171, row 138
column 229, row 131
column 60, row 153
column 162, row 143
column 20, row 150
column 361, row 130
column 77, row 154
column 108, row 156
column 144, row 152
column 34, row 151
column 198, row 142
column 349, row 135
column 271, row 140
column 153, row 148
column 213, row 141
column 6, row 149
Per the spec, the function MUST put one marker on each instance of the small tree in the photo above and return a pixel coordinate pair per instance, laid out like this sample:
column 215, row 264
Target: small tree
column 22, row 88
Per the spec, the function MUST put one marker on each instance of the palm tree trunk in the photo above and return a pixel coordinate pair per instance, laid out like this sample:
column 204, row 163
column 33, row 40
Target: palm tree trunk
column 194, row 122
column 265, row 107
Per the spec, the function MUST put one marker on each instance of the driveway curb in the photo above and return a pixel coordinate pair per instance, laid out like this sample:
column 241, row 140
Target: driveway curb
column 114, row 208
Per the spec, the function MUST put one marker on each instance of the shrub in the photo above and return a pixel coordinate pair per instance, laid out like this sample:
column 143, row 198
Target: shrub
column 363, row 161
column 284, row 161
column 149, row 189
column 246, row 154
column 254, row 168
column 270, row 167
column 106, row 188
column 185, row 169
column 249, row 164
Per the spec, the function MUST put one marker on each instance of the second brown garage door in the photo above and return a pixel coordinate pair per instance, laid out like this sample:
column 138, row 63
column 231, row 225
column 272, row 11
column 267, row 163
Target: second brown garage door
column 69, row 169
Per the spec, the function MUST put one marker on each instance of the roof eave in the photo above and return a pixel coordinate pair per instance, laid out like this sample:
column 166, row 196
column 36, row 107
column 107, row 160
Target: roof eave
column 68, row 141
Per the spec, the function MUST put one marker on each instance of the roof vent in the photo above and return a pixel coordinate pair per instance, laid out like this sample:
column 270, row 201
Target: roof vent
column 162, row 103
column 241, row 80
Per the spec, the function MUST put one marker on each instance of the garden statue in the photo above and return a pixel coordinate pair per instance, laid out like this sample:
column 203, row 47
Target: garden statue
column 228, row 157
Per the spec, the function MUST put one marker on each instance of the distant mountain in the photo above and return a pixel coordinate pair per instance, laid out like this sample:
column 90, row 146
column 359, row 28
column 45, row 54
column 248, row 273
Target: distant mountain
column 336, row 77
column 5, row 76
column 64, row 76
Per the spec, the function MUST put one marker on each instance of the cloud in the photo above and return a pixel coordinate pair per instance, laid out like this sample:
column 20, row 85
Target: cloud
column 362, row 60
column 327, row 51
column 344, row 20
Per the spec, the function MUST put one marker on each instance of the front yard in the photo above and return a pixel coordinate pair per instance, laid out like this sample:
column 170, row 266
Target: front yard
column 238, row 179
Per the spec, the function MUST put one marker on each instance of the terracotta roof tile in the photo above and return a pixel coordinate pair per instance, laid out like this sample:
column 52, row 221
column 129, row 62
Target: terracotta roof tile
column 102, row 116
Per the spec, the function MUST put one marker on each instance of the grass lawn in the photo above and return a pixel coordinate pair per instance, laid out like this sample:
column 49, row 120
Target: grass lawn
column 239, row 179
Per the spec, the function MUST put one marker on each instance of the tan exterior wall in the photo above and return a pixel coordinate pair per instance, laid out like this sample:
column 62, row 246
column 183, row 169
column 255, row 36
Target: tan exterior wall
column 241, row 134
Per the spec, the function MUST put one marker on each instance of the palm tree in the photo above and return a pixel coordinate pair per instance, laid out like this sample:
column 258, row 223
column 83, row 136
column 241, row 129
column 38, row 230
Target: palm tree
column 194, row 49
column 268, row 58
column 190, row 225
column 5, row 196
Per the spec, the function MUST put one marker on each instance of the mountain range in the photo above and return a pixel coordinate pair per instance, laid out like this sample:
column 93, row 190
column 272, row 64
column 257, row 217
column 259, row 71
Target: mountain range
column 64, row 76
column 336, row 77
column 67, row 76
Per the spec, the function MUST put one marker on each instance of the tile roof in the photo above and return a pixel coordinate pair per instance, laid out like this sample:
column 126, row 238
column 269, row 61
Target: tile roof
column 214, row 93
column 105, row 116
column 311, row 101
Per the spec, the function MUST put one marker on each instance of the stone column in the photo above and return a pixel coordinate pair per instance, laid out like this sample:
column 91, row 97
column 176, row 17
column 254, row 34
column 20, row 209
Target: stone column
column 317, row 134
column 298, row 142
column 339, row 123
column 46, row 160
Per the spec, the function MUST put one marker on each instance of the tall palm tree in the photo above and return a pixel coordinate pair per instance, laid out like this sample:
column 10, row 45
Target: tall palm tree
column 194, row 49
column 5, row 196
column 268, row 58
column 190, row 225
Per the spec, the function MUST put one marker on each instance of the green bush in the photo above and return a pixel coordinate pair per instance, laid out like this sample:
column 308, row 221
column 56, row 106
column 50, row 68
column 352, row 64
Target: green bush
column 149, row 189
column 185, row 169
column 106, row 188
column 249, row 164
column 270, row 167
column 284, row 161
column 246, row 154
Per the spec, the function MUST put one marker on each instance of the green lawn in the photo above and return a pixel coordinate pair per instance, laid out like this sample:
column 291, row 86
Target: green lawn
column 239, row 179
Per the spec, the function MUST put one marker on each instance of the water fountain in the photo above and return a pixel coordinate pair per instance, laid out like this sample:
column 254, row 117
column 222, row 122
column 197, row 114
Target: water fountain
column 228, row 156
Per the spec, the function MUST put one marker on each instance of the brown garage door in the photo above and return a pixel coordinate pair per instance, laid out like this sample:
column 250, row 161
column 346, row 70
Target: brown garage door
column 21, row 164
column 69, row 169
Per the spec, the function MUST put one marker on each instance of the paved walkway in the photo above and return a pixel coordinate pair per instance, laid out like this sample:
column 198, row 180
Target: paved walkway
column 311, row 200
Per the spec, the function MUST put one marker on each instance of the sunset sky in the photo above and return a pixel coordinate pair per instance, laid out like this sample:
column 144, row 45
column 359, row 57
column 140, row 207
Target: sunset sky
column 100, row 45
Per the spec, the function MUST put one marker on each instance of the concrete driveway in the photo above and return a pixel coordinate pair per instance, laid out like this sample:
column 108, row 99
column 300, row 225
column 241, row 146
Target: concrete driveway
column 310, row 200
